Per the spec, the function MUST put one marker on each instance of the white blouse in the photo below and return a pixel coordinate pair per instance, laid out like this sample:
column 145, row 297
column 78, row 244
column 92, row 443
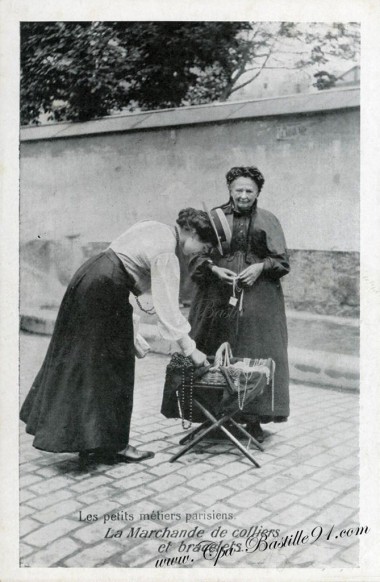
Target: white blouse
column 147, row 251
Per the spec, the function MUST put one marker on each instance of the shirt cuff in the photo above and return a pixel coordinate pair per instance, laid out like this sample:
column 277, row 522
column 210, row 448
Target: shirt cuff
column 268, row 265
column 187, row 345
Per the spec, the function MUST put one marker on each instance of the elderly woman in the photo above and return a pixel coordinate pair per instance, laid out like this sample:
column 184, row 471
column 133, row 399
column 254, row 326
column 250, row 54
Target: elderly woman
column 248, row 311
column 81, row 400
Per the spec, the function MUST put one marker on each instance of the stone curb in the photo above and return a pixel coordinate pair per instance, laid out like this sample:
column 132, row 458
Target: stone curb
column 307, row 366
column 330, row 370
column 38, row 321
column 324, row 368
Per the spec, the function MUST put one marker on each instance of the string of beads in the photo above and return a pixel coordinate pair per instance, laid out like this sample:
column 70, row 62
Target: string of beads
column 182, row 363
column 190, row 398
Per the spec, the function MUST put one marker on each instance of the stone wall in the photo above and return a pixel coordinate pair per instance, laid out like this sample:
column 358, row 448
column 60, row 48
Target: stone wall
column 324, row 282
column 97, row 186
column 84, row 183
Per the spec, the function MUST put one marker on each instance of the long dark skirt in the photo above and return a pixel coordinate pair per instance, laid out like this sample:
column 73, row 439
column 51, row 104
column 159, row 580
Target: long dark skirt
column 82, row 397
column 259, row 332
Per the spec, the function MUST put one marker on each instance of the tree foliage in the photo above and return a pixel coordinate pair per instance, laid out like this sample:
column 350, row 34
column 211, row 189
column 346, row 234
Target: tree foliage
column 324, row 80
column 82, row 70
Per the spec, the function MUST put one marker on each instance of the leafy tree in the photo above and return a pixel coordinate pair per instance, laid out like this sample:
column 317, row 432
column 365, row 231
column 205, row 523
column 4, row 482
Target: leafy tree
column 324, row 80
column 82, row 70
column 274, row 45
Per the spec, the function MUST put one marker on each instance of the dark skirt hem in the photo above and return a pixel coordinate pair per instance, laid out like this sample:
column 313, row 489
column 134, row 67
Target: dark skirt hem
column 82, row 397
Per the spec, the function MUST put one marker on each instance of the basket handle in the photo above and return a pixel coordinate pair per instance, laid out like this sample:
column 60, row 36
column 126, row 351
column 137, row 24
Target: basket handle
column 223, row 355
column 227, row 354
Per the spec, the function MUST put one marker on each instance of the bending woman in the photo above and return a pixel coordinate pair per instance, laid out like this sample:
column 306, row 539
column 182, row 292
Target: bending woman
column 254, row 320
column 81, row 400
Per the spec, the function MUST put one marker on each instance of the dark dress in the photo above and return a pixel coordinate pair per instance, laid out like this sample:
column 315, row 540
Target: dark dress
column 259, row 330
column 82, row 397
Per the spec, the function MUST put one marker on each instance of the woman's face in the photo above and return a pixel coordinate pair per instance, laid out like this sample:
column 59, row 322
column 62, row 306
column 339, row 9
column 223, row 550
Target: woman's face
column 194, row 245
column 243, row 192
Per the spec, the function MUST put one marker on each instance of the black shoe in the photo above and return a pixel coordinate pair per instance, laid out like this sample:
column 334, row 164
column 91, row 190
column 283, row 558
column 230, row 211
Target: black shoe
column 105, row 457
column 85, row 460
column 90, row 459
column 256, row 431
column 133, row 455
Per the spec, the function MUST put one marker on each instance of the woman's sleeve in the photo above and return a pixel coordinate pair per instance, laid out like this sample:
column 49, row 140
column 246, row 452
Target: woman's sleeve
column 276, row 263
column 200, row 268
column 173, row 326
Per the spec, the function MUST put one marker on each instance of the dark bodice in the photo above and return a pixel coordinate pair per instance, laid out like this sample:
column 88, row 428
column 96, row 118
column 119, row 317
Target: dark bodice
column 240, row 232
column 256, row 237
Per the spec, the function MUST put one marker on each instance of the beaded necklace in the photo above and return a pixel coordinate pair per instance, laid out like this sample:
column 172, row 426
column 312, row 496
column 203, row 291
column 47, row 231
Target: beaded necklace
column 149, row 311
column 183, row 364
column 182, row 390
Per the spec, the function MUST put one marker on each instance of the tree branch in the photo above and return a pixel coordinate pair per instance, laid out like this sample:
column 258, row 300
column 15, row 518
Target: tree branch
column 233, row 89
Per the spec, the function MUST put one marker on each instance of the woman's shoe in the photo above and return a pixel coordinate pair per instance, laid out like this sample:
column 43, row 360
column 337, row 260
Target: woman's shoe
column 85, row 459
column 256, row 431
column 105, row 457
column 132, row 455
column 95, row 457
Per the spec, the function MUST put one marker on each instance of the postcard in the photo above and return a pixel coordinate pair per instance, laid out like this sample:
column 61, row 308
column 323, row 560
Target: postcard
column 190, row 281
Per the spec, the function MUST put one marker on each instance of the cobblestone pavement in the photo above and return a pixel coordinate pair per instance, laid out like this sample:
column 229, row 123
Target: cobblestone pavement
column 307, row 483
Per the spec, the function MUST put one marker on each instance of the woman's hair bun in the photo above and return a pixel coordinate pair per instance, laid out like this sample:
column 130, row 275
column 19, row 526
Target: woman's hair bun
column 191, row 218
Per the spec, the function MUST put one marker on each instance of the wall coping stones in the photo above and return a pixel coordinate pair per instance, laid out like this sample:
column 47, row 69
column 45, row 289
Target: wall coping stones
column 328, row 100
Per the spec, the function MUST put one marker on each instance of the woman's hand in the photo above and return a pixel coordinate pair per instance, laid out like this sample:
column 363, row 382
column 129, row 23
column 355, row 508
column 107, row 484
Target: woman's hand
column 225, row 275
column 199, row 358
column 251, row 274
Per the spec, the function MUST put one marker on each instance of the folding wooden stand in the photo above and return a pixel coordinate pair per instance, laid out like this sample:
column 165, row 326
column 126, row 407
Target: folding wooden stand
column 216, row 419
